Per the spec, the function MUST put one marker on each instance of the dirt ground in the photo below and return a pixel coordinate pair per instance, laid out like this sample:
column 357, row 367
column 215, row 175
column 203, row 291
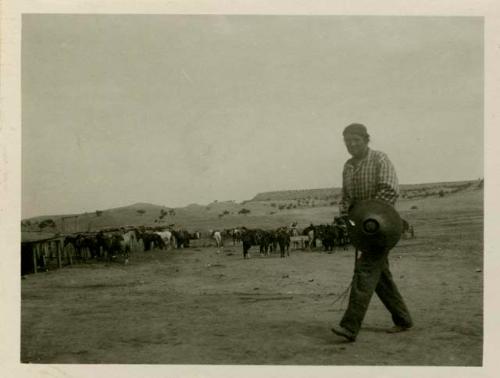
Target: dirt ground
column 208, row 306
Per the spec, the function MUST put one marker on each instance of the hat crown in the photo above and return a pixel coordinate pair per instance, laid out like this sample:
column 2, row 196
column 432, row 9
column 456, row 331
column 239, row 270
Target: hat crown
column 356, row 128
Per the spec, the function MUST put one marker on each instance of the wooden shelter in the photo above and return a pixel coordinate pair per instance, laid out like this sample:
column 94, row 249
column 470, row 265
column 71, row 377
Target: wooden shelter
column 40, row 250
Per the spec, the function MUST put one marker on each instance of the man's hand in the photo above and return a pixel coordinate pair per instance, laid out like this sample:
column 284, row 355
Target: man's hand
column 344, row 218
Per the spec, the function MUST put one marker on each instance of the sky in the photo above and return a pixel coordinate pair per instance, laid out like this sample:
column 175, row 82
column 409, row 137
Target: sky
column 181, row 109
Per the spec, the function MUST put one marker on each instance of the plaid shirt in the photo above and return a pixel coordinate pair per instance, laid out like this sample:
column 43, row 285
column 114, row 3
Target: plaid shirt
column 373, row 177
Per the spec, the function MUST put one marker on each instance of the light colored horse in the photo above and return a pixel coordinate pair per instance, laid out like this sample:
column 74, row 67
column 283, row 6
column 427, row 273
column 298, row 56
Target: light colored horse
column 295, row 239
column 129, row 242
column 218, row 238
column 299, row 241
column 310, row 238
column 166, row 237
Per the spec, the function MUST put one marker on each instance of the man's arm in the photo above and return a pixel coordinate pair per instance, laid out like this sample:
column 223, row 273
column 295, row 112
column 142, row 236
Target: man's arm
column 345, row 201
column 387, row 186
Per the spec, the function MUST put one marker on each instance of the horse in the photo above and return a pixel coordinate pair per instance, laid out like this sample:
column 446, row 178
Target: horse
column 310, row 232
column 166, row 237
column 151, row 240
column 283, row 238
column 218, row 238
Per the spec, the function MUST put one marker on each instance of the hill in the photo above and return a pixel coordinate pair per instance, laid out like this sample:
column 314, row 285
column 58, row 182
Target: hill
column 328, row 194
column 268, row 209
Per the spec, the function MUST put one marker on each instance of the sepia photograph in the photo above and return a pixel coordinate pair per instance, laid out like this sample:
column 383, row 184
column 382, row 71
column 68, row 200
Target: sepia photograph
column 251, row 189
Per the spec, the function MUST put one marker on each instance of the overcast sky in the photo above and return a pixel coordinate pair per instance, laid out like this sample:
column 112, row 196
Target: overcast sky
column 174, row 110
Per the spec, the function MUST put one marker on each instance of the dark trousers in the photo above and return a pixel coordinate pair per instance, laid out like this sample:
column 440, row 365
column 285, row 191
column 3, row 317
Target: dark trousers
column 372, row 274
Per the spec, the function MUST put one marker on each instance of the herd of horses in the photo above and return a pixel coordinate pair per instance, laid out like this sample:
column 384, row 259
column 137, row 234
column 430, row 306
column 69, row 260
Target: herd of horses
column 285, row 238
column 111, row 244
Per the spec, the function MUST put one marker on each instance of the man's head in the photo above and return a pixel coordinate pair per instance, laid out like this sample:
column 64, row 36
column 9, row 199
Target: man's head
column 356, row 139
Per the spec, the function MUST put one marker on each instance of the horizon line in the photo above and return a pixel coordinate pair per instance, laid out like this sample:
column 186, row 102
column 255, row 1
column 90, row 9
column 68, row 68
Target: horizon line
column 222, row 201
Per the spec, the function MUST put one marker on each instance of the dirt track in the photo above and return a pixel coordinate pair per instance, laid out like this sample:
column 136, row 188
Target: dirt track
column 197, row 306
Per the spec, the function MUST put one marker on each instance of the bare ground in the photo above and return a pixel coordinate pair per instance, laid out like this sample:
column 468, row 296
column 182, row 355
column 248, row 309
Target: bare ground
column 204, row 306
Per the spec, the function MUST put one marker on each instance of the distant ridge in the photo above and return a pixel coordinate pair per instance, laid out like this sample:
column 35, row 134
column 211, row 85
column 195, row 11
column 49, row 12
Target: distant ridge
column 264, row 204
column 283, row 195
column 139, row 205
column 326, row 194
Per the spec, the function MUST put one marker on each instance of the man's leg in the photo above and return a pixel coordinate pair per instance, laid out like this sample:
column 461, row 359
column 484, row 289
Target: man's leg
column 366, row 276
column 389, row 294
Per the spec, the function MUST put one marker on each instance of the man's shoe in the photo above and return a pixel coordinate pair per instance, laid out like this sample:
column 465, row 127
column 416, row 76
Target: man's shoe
column 398, row 329
column 341, row 331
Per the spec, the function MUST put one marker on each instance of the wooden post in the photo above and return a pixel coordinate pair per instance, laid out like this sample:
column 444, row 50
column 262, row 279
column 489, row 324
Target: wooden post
column 70, row 255
column 59, row 253
column 45, row 254
column 33, row 251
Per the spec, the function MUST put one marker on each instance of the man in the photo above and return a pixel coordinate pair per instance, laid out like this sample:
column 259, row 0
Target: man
column 369, row 174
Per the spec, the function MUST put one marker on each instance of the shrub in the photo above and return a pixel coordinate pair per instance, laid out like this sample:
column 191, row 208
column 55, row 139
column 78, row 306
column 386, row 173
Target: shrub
column 141, row 211
column 244, row 211
column 47, row 223
column 98, row 213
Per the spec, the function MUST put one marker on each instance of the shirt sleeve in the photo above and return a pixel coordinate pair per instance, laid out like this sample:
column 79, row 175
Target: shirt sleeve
column 345, row 200
column 387, row 186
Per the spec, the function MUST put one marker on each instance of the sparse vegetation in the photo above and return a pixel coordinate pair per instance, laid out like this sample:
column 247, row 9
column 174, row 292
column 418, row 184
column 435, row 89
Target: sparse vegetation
column 163, row 214
column 225, row 212
column 47, row 223
column 244, row 211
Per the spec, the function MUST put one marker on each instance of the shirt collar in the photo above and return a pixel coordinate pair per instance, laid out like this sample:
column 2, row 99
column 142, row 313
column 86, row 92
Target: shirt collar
column 367, row 157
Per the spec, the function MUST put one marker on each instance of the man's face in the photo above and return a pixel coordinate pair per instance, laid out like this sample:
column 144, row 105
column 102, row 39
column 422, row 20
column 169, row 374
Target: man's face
column 356, row 144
